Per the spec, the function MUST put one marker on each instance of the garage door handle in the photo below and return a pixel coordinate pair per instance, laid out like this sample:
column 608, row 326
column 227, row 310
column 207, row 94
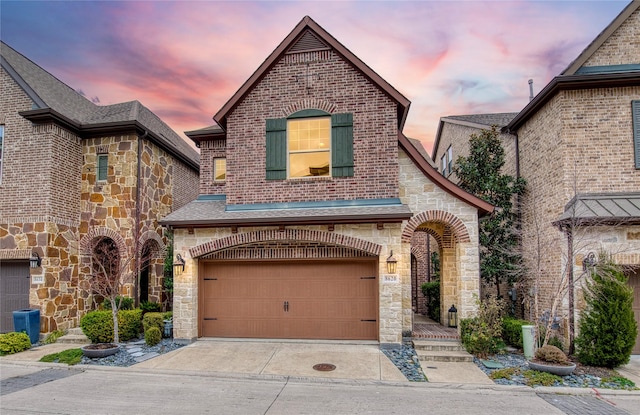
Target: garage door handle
column 286, row 306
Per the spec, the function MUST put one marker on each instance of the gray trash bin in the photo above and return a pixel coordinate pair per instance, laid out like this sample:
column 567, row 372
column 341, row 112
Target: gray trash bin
column 28, row 320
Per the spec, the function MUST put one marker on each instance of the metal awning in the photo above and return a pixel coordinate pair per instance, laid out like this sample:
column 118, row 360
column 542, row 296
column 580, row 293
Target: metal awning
column 601, row 209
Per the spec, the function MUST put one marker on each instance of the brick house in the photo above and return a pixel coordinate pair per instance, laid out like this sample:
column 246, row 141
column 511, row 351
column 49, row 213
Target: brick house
column 308, row 193
column 577, row 143
column 70, row 172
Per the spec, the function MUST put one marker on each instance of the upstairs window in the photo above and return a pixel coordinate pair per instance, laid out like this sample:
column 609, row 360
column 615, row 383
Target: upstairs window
column 103, row 167
column 219, row 169
column 635, row 116
column 1, row 140
column 450, row 159
column 446, row 162
column 309, row 143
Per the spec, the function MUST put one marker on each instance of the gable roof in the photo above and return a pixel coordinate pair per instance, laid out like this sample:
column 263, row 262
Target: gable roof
column 308, row 35
column 439, row 180
column 480, row 121
column 577, row 77
column 575, row 66
column 54, row 100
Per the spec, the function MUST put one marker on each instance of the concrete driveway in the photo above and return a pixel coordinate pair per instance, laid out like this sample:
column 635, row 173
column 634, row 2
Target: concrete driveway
column 351, row 361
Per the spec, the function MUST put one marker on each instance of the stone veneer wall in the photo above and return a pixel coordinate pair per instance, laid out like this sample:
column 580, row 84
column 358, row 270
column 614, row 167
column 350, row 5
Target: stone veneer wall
column 460, row 263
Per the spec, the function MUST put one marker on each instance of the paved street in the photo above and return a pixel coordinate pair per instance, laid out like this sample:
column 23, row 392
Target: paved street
column 53, row 389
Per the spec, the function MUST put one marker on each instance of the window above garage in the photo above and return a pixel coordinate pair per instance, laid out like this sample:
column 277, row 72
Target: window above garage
column 309, row 143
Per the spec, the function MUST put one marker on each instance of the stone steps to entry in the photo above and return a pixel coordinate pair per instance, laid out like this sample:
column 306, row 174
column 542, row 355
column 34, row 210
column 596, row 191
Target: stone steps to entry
column 441, row 351
column 74, row 336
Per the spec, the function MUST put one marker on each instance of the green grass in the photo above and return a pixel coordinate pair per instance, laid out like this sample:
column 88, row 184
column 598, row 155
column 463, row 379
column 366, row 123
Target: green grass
column 535, row 378
column 70, row 357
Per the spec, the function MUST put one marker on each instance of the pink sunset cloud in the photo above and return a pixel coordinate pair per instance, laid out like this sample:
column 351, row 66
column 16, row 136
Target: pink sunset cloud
column 185, row 59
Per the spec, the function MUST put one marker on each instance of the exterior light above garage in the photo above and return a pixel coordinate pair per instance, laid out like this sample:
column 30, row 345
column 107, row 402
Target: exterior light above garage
column 35, row 261
column 392, row 264
column 178, row 265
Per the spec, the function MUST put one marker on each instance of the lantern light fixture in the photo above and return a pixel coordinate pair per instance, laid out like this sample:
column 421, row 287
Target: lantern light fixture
column 178, row 265
column 453, row 316
column 392, row 264
column 35, row 261
column 589, row 261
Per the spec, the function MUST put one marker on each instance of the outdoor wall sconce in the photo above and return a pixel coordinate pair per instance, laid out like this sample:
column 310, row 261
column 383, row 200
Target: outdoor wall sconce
column 392, row 264
column 35, row 261
column 589, row 261
column 178, row 265
column 453, row 316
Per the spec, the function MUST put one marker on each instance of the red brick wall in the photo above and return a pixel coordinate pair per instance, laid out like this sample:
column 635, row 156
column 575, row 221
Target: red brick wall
column 339, row 88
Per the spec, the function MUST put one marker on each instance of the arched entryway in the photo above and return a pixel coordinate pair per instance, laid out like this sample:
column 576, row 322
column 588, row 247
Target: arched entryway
column 438, row 234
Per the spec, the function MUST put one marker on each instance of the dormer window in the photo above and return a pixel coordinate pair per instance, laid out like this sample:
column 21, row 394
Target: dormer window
column 309, row 143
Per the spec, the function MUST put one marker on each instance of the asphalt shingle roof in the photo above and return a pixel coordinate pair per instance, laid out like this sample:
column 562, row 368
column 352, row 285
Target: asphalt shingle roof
column 500, row 119
column 213, row 212
column 47, row 91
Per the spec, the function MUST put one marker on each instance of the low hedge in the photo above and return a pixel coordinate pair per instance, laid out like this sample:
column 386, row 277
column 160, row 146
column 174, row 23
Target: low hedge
column 152, row 336
column 11, row 343
column 98, row 325
column 153, row 320
column 512, row 331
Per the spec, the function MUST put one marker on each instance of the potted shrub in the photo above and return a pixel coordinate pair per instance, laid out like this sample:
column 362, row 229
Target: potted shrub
column 551, row 359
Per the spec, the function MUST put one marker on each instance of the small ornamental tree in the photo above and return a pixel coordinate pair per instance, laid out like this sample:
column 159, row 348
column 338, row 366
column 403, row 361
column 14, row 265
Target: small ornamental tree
column 480, row 174
column 110, row 274
column 608, row 328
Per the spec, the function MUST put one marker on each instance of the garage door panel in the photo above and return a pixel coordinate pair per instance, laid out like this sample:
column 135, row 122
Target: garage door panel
column 326, row 300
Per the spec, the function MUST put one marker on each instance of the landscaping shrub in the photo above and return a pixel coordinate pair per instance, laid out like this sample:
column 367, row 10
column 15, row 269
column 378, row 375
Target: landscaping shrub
column 607, row 326
column 11, row 343
column 482, row 335
column 152, row 336
column 167, row 315
column 512, row 331
column 153, row 320
column 126, row 303
column 536, row 378
column 98, row 325
column 551, row 354
column 431, row 291
column 149, row 306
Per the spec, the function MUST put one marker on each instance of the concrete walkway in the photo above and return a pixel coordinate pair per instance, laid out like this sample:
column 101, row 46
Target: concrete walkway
column 354, row 361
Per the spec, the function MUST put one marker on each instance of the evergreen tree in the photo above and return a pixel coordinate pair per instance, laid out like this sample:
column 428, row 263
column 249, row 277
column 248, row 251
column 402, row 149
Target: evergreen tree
column 480, row 174
column 608, row 328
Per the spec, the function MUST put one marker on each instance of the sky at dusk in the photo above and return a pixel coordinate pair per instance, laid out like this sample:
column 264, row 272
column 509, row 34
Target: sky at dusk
column 184, row 59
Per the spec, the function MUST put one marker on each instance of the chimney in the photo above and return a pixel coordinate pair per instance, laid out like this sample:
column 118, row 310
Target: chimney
column 530, row 90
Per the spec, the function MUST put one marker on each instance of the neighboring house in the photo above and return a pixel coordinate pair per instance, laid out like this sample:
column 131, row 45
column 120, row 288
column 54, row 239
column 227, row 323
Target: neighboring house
column 578, row 147
column 309, row 193
column 72, row 172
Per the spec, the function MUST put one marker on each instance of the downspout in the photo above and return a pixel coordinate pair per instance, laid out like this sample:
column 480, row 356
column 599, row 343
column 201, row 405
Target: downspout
column 569, row 231
column 137, row 220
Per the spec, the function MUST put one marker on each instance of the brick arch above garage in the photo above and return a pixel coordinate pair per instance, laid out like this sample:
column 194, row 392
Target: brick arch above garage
column 455, row 226
column 251, row 238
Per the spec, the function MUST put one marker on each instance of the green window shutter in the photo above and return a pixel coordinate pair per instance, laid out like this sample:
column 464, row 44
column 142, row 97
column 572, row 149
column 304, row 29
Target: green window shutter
column 276, row 149
column 103, row 166
column 635, row 113
column 342, row 145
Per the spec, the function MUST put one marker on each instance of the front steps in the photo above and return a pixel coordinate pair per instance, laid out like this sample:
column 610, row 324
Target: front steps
column 74, row 336
column 441, row 351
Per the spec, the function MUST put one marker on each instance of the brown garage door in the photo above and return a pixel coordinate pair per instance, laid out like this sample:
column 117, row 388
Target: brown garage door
column 15, row 282
column 289, row 299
